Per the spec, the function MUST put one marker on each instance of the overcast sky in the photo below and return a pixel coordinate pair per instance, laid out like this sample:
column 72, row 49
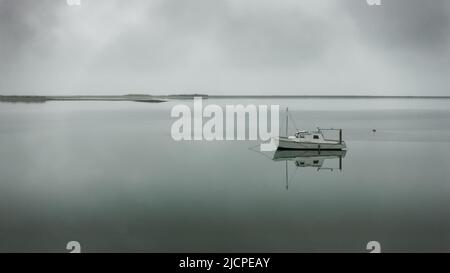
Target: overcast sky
column 225, row 47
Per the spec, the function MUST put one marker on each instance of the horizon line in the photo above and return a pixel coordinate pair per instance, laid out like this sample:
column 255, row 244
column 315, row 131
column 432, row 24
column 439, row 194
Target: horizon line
column 222, row 95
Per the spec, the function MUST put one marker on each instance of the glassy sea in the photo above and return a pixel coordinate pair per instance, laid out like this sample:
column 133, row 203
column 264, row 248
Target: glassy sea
column 110, row 176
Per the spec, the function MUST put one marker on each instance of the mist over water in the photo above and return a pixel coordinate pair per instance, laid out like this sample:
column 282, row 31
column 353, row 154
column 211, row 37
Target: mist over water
column 109, row 175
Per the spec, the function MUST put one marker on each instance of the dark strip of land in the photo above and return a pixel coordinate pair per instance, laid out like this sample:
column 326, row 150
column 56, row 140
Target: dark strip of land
column 137, row 98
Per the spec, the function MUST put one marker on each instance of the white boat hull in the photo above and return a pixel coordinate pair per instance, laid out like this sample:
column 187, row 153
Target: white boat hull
column 297, row 144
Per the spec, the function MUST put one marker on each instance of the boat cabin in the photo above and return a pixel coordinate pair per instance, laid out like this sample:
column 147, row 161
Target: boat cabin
column 309, row 136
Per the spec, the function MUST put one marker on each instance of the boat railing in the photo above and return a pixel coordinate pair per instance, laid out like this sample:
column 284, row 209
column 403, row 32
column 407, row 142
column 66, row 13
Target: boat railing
column 331, row 129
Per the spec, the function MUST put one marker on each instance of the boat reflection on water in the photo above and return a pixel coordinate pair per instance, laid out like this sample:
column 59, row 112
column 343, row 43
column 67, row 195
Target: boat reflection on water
column 309, row 158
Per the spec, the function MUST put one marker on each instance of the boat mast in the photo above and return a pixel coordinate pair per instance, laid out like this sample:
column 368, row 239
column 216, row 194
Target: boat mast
column 287, row 120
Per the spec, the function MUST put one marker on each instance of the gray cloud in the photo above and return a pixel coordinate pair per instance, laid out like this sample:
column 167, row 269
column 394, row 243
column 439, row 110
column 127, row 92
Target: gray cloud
column 225, row 46
column 23, row 23
column 404, row 24
column 281, row 38
column 412, row 35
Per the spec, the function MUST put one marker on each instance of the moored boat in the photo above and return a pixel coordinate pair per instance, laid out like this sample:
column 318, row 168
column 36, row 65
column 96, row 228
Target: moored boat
column 311, row 140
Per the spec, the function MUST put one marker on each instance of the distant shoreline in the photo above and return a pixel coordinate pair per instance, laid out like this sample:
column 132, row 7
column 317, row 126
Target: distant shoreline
column 164, row 98
column 136, row 98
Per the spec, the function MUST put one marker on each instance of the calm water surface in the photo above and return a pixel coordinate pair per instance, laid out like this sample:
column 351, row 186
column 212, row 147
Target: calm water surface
column 109, row 175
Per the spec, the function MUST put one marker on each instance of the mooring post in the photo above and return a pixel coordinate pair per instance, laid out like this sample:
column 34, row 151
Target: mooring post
column 340, row 136
column 340, row 163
